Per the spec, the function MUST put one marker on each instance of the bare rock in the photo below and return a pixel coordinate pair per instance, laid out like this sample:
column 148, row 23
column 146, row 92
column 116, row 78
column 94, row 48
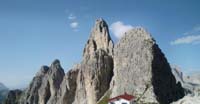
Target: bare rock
column 99, row 39
column 134, row 65
column 13, row 97
column 66, row 94
column 96, row 68
column 31, row 95
column 141, row 69
column 88, row 81
column 45, row 85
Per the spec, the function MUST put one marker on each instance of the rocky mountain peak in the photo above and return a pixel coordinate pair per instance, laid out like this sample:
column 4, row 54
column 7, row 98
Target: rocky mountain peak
column 45, row 85
column 56, row 64
column 56, row 70
column 139, row 33
column 100, row 26
column 99, row 39
column 148, row 74
column 43, row 70
column 135, row 65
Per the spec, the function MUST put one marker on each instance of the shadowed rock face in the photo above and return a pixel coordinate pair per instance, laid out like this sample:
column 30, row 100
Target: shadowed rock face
column 134, row 65
column 14, row 96
column 164, row 83
column 67, row 91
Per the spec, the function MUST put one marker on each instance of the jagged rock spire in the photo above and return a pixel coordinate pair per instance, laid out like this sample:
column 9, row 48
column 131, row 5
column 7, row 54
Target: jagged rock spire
column 99, row 39
column 96, row 68
column 140, row 69
column 45, row 85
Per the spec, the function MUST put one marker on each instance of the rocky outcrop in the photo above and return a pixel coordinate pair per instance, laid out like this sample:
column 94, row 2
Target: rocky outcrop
column 190, row 83
column 96, row 69
column 31, row 95
column 141, row 69
column 68, row 87
column 177, row 74
column 191, row 87
column 45, row 85
column 134, row 65
column 13, row 97
column 99, row 40
column 85, row 83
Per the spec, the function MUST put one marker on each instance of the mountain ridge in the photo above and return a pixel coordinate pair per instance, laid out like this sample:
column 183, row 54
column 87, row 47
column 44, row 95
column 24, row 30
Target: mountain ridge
column 3, row 92
column 135, row 65
column 2, row 86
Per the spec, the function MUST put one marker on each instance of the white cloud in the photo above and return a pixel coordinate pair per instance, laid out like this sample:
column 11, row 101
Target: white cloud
column 195, row 30
column 192, row 39
column 74, row 24
column 119, row 28
column 71, row 17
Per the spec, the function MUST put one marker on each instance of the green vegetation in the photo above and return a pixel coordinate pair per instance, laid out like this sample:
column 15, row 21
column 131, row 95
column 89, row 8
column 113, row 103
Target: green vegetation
column 104, row 99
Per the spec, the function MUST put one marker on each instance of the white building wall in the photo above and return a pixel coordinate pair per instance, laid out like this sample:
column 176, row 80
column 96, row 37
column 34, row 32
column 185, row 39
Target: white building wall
column 132, row 101
column 120, row 101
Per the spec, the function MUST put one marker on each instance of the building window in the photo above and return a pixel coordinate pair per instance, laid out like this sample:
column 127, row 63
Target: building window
column 112, row 103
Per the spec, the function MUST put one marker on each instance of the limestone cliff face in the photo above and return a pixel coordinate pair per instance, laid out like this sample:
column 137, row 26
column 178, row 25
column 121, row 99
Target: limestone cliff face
column 45, row 85
column 134, row 65
column 66, row 94
column 141, row 69
column 31, row 95
column 97, row 65
column 96, row 69
column 85, row 83
column 99, row 40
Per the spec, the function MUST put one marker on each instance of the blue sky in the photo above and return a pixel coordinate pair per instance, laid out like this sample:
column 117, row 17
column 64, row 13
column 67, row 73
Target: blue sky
column 35, row 32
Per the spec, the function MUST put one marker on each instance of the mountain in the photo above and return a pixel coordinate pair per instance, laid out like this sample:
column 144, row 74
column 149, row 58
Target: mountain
column 13, row 97
column 193, row 78
column 2, row 86
column 177, row 73
column 191, row 85
column 3, row 92
column 94, row 73
column 135, row 65
column 141, row 69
